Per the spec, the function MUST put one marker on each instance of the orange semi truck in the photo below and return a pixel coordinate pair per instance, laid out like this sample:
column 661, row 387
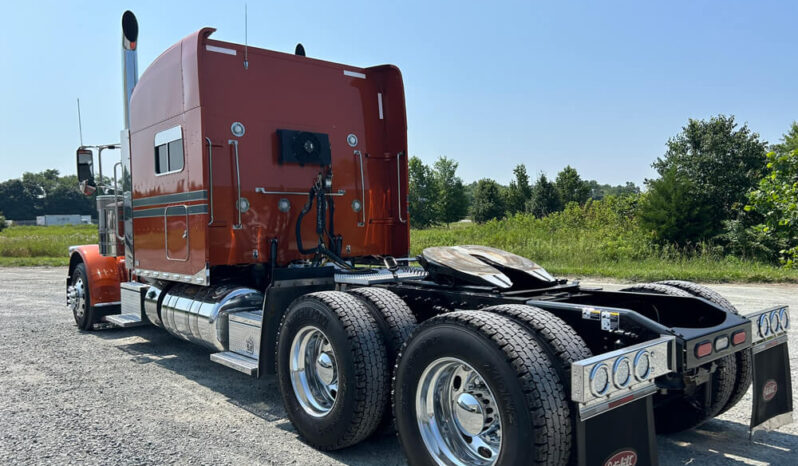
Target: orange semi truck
column 259, row 209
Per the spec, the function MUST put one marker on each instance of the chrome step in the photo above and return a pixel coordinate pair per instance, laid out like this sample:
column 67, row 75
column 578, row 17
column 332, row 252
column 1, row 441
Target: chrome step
column 124, row 320
column 236, row 361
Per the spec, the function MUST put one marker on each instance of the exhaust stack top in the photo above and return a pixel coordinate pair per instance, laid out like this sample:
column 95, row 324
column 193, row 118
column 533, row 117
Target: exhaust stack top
column 130, row 66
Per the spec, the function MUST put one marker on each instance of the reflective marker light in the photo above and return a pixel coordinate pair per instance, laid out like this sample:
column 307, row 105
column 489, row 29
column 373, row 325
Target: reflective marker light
column 703, row 349
column 784, row 317
column 621, row 372
column 642, row 365
column 764, row 325
column 738, row 337
column 721, row 343
column 600, row 379
column 775, row 322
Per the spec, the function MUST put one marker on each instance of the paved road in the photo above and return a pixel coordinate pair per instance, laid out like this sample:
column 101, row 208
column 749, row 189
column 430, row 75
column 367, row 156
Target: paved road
column 141, row 396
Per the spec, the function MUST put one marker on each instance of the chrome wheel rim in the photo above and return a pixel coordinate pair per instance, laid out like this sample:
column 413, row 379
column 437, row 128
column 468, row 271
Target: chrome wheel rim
column 457, row 414
column 314, row 371
column 76, row 298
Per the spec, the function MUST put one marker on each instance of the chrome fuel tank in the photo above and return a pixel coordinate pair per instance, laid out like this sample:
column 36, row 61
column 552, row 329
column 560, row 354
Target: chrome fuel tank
column 199, row 314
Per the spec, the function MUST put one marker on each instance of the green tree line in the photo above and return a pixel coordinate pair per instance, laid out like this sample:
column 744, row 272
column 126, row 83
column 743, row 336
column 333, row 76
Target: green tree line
column 719, row 184
column 43, row 193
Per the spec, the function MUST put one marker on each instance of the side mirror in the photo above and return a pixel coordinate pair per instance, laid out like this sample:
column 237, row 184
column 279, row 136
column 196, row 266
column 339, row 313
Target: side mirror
column 85, row 161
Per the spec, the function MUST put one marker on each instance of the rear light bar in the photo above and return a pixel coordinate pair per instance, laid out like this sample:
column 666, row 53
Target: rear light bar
column 770, row 324
column 612, row 379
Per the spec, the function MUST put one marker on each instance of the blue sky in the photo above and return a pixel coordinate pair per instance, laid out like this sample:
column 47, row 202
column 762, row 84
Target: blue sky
column 598, row 85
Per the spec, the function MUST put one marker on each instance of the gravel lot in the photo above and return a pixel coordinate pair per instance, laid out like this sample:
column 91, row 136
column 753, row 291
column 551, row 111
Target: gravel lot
column 140, row 396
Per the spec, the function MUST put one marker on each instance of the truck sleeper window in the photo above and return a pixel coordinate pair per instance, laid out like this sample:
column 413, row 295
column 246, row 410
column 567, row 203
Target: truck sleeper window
column 169, row 151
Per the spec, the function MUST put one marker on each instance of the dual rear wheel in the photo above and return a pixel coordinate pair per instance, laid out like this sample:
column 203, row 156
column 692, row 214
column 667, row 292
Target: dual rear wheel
column 469, row 387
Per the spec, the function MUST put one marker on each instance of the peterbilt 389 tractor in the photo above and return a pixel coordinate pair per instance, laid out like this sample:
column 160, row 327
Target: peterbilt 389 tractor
column 258, row 208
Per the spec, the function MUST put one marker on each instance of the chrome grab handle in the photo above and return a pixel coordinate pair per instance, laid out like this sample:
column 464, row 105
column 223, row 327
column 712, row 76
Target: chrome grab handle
column 116, row 204
column 399, row 185
column 234, row 143
column 210, row 174
column 362, row 223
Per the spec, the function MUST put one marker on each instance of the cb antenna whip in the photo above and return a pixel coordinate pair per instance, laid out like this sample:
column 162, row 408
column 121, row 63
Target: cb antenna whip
column 246, row 59
column 80, row 125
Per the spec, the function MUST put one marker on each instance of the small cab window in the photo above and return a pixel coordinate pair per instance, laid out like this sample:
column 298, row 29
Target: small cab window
column 169, row 150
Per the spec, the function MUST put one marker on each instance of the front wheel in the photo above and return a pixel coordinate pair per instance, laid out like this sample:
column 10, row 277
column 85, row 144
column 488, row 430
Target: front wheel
column 475, row 388
column 79, row 300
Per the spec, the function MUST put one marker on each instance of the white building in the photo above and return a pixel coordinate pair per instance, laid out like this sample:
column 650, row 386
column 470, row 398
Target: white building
column 69, row 219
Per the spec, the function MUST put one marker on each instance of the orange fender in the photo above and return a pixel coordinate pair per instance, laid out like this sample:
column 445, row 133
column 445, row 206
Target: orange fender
column 105, row 274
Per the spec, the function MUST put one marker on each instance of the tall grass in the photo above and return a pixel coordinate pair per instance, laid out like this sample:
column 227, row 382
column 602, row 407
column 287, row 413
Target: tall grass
column 34, row 245
column 601, row 239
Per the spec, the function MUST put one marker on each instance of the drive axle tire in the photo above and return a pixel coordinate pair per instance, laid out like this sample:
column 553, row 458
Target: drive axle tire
column 677, row 411
column 563, row 345
column 394, row 318
column 476, row 388
column 744, row 358
column 79, row 299
column 396, row 322
column 332, row 369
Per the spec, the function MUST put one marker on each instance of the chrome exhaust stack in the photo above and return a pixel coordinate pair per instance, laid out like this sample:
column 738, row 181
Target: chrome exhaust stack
column 130, row 63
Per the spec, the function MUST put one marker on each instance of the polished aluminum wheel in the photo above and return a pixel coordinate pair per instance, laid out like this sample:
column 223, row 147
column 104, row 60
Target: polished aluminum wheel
column 314, row 371
column 76, row 298
column 457, row 414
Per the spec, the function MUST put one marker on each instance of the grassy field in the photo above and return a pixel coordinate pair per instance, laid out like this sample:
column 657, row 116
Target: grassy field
column 588, row 243
column 601, row 240
column 30, row 245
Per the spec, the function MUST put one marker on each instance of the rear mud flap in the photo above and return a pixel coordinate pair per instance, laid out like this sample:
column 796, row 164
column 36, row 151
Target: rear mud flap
column 772, row 386
column 623, row 436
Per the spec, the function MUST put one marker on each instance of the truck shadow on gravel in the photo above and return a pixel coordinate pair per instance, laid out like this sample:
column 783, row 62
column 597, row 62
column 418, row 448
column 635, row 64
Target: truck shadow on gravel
column 260, row 397
column 725, row 442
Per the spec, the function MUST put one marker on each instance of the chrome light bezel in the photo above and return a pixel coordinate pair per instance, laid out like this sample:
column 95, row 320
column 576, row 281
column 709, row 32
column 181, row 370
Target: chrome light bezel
column 602, row 367
column 763, row 325
column 775, row 322
column 622, row 361
column 784, row 318
column 637, row 361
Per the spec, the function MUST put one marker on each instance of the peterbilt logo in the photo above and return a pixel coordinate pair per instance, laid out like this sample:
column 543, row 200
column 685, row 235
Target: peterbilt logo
column 622, row 458
column 769, row 390
column 250, row 345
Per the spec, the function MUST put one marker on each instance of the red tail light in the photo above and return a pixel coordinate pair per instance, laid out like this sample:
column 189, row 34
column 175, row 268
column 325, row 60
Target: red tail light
column 703, row 349
column 738, row 337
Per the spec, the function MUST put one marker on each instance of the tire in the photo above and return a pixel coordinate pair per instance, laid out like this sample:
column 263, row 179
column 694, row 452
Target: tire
column 701, row 292
column 394, row 318
column 355, row 363
column 657, row 288
column 396, row 322
column 744, row 359
column 560, row 341
column 80, row 302
column 676, row 412
column 514, row 370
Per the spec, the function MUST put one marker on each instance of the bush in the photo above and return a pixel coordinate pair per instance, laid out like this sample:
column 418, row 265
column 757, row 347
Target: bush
column 673, row 212
column 777, row 201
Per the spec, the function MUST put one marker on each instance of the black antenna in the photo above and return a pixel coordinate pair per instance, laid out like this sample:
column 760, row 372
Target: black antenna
column 80, row 125
column 246, row 59
column 299, row 50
